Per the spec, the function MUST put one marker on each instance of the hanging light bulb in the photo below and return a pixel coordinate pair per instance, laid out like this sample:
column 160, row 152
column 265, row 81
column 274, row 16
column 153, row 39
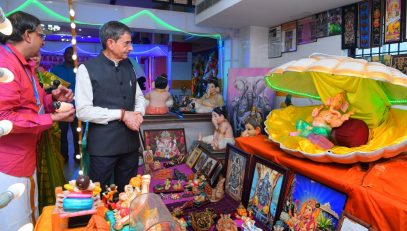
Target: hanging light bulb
column 72, row 12
column 73, row 25
column 78, row 156
column 75, row 70
column 73, row 41
column 80, row 172
column 74, row 56
column 78, row 129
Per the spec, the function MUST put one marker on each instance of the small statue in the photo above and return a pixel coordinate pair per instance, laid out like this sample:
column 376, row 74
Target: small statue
column 159, row 99
column 218, row 192
column 109, row 193
column 167, row 185
column 252, row 128
column 223, row 130
column 225, row 223
column 148, row 160
column 211, row 99
column 248, row 225
column 325, row 118
column 178, row 185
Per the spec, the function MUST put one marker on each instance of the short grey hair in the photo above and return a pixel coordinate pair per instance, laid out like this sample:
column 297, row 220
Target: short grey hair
column 112, row 30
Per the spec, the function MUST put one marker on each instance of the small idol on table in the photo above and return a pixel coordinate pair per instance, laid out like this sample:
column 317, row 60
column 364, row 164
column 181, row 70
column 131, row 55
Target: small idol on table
column 211, row 99
column 159, row 99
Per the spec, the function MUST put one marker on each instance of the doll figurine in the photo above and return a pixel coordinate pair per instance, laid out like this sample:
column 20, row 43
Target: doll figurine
column 211, row 99
column 252, row 128
column 159, row 99
column 223, row 130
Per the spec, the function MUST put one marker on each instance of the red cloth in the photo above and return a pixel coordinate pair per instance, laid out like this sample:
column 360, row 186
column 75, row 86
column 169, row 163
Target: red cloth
column 377, row 196
column 18, row 104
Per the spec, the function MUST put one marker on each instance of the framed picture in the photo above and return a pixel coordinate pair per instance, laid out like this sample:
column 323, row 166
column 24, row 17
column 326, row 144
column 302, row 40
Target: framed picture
column 209, row 166
column 335, row 21
column 241, row 102
column 306, row 30
column 400, row 63
column 166, row 143
column 201, row 161
column 404, row 20
column 349, row 26
column 289, row 36
column 321, row 24
column 267, row 185
column 392, row 21
column 311, row 204
column 349, row 222
column 216, row 174
column 275, row 42
column 376, row 24
column 364, row 24
column 193, row 156
column 237, row 168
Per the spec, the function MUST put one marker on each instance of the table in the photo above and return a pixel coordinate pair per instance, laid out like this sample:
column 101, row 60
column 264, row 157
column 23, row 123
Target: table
column 377, row 196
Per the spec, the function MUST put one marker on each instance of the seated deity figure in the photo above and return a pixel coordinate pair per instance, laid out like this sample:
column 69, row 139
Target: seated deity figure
column 223, row 130
column 211, row 99
column 159, row 99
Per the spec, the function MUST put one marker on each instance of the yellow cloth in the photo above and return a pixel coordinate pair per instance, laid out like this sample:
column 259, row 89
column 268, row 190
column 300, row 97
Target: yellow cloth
column 281, row 122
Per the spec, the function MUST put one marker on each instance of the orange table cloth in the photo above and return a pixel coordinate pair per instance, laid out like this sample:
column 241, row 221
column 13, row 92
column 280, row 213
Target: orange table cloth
column 377, row 196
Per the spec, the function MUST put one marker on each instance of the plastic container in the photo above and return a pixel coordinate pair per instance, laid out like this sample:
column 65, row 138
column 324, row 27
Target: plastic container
column 148, row 212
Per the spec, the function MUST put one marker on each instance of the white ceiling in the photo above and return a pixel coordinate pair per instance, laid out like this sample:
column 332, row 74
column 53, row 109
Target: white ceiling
column 264, row 13
column 268, row 13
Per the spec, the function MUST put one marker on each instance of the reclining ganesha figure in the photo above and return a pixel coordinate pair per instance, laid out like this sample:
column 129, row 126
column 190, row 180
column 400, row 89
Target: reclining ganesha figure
column 326, row 117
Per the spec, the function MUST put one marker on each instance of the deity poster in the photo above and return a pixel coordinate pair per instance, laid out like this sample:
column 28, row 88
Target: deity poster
column 321, row 24
column 275, row 42
column 248, row 96
column 310, row 205
column 165, row 144
column 376, row 23
column 364, row 24
column 400, row 63
column 392, row 21
column 349, row 26
column 289, row 36
column 266, row 191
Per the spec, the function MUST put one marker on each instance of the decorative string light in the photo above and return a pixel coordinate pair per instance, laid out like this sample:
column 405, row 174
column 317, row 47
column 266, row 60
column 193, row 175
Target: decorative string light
column 75, row 59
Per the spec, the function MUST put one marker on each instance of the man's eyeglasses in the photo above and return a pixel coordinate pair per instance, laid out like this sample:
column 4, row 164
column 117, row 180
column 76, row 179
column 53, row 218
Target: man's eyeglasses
column 42, row 35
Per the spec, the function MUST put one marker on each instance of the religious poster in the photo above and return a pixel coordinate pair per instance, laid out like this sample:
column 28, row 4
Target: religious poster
column 289, row 36
column 268, row 183
column 335, row 21
column 392, row 29
column 165, row 144
column 275, row 42
column 364, row 24
column 248, row 96
column 321, row 24
column 306, row 30
column 349, row 26
column 376, row 24
column 400, row 63
column 312, row 204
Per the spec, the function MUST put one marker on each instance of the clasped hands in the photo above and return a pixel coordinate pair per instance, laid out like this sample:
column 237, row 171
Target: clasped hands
column 63, row 94
column 133, row 120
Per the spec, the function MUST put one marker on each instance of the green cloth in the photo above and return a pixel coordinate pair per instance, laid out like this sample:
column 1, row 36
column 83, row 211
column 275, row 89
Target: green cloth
column 307, row 129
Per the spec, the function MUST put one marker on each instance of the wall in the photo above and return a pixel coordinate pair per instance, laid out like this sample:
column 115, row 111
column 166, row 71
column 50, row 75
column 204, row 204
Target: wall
column 253, row 51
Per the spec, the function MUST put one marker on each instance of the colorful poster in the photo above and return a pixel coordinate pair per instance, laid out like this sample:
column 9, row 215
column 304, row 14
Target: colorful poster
column 247, row 96
column 335, row 21
column 289, row 36
column 349, row 26
column 321, row 24
column 392, row 29
column 376, row 23
column 310, row 205
column 306, row 30
column 364, row 24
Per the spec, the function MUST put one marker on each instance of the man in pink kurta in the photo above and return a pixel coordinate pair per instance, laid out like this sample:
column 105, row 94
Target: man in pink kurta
column 24, row 103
